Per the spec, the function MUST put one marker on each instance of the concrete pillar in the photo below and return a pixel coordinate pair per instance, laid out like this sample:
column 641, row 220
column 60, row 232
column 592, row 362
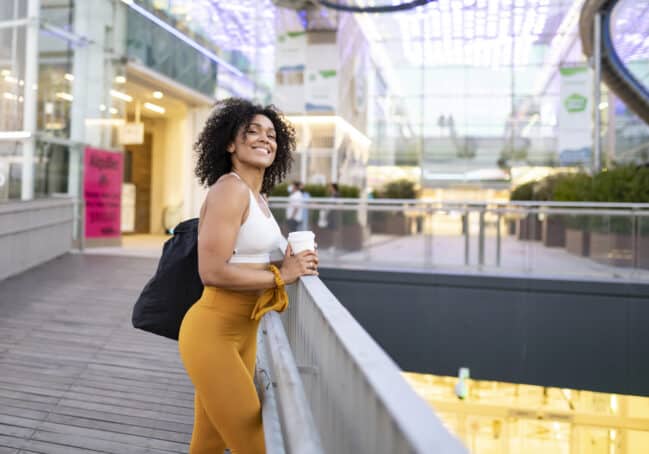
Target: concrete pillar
column 30, row 98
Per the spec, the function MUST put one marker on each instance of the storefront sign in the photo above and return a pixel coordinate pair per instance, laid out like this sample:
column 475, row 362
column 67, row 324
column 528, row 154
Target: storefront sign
column 102, row 190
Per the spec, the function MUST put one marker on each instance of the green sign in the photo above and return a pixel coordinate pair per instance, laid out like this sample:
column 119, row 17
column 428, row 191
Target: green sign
column 575, row 103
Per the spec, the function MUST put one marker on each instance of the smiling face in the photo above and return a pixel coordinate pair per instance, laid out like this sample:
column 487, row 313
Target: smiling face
column 255, row 145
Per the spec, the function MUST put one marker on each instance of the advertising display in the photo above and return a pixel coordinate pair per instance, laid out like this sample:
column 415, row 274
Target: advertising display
column 290, row 59
column 102, row 192
column 575, row 116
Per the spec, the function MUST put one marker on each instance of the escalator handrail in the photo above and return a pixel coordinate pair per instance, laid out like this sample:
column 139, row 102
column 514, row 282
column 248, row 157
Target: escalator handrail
column 633, row 93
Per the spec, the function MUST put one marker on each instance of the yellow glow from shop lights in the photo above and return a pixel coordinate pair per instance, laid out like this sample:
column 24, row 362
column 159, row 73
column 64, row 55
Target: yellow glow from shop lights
column 69, row 77
column 614, row 403
column 65, row 96
column 120, row 79
column 11, row 79
column 5, row 72
column 15, row 135
column 120, row 95
column 157, row 94
column 104, row 121
column 154, row 107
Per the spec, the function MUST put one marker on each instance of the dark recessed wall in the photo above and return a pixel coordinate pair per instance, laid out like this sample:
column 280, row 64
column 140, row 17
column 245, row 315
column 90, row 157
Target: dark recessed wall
column 575, row 334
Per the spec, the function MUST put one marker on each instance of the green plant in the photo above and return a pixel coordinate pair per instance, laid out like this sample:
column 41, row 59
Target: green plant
column 349, row 192
column 315, row 190
column 398, row 189
column 280, row 190
column 524, row 191
column 577, row 187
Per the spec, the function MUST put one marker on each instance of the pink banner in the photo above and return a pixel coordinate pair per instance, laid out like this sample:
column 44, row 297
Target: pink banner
column 102, row 192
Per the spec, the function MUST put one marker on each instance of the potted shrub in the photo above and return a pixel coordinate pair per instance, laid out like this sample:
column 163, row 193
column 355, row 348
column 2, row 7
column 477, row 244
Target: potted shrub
column 351, row 231
column 529, row 227
column 393, row 222
column 612, row 240
column 575, row 188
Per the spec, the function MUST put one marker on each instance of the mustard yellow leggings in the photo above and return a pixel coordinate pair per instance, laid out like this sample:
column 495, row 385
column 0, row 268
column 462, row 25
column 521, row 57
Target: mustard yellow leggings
column 218, row 346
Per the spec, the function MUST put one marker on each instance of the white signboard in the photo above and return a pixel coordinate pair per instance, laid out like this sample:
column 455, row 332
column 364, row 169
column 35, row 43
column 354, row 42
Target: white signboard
column 322, row 78
column 131, row 134
column 289, row 77
column 575, row 116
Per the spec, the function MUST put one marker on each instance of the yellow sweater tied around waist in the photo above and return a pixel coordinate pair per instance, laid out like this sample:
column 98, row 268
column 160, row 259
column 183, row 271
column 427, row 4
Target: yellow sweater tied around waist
column 273, row 299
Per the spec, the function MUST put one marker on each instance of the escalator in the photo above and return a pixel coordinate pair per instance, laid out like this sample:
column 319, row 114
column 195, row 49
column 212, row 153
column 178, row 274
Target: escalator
column 625, row 84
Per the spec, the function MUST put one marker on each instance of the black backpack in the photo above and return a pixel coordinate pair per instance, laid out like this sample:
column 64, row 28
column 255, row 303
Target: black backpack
column 174, row 287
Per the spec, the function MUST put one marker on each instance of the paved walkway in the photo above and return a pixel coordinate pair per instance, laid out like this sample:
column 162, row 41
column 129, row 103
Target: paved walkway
column 75, row 377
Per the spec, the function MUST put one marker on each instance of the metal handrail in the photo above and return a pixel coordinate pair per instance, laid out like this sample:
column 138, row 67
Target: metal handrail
column 549, row 208
column 360, row 400
column 460, row 203
column 300, row 435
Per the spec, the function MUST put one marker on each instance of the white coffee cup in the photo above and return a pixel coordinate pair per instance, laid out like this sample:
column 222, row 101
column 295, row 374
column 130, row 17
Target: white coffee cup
column 301, row 241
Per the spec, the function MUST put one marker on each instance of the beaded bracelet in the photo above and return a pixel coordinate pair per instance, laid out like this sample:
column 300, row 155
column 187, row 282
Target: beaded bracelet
column 279, row 282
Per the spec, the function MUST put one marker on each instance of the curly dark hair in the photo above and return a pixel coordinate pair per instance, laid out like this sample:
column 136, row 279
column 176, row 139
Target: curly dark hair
column 226, row 120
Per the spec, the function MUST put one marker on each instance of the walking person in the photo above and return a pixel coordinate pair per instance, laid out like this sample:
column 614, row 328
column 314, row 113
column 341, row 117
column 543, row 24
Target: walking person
column 295, row 212
column 243, row 150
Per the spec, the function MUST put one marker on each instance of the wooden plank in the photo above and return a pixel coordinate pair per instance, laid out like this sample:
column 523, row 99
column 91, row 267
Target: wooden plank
column 76, row 377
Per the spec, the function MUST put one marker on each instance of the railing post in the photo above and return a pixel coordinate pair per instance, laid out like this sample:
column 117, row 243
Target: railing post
column 465, row 220
column 428, row 238
column 498, row 239
column 481, row 235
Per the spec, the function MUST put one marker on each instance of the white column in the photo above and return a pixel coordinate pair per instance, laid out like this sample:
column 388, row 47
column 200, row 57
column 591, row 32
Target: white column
column 30, row 99
column 597, row 82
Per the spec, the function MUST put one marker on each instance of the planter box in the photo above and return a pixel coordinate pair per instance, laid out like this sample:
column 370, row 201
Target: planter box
column 612, row 249
column 530, row 228
column 511, row 227
column 578, row 242
column 352, row 237
column 323, row 236
column 554, row 231
column 642, row 252
column 389, row 223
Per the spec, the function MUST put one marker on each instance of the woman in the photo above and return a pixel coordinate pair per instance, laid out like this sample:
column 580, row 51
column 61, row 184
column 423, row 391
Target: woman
column 243, row 150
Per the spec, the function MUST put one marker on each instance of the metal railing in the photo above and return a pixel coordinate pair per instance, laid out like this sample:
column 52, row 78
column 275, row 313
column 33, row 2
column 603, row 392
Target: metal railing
column 334, row 388
column 548, row 239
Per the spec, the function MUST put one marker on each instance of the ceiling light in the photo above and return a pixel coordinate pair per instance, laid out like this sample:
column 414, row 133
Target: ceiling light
column 113, row 111
column 120, row 79
column 5, row 72
column 66, row 96
column 158, row 94
column 154, row 107
column 11, row 79
column 69, row 77
column 120, row 95
column 9, row 96
column 102, row 107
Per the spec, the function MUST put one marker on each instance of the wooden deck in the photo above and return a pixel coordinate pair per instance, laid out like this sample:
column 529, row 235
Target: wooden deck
column 75, row 377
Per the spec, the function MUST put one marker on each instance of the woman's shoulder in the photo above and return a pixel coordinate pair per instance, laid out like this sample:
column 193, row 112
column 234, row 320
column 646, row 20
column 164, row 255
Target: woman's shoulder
column 228, row 188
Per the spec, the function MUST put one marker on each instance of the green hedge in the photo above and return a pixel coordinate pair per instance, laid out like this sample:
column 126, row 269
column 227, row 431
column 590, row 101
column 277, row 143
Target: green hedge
column 397, row 189
column 624, row 184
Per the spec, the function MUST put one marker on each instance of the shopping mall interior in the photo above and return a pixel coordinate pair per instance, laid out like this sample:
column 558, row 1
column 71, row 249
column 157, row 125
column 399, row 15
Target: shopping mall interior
column 460, row 100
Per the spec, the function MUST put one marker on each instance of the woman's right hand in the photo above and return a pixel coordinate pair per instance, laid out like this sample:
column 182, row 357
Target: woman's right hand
column 304, row 263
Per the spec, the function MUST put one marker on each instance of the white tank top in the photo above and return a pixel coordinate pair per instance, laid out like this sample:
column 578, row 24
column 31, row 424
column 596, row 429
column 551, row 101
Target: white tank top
column 258, row 237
